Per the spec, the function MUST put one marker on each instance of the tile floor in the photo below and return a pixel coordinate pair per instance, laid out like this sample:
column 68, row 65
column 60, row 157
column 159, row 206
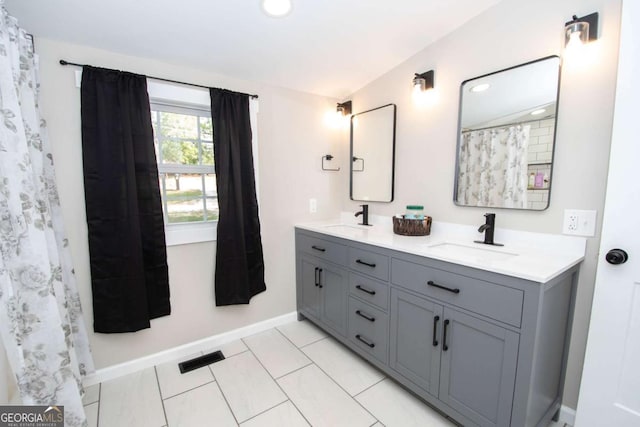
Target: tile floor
column 293, row 375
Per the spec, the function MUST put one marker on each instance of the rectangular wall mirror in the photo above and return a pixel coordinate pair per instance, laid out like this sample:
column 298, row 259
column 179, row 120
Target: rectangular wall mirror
column 373, row 141
column 506, row 136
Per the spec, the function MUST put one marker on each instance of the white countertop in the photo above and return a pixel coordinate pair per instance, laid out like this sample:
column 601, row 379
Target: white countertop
column 532, row 256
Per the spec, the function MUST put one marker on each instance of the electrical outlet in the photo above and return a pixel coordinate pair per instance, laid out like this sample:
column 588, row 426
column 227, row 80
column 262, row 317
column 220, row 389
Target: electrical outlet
column 313, row 205
column 579, row 223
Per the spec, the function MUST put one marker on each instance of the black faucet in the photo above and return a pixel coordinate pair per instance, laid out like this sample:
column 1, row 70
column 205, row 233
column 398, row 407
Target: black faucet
column 488, row 228
column 365, row 215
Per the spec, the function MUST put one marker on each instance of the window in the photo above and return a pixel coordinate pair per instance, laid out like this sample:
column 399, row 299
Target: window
column 183, row 138
column 183, row 132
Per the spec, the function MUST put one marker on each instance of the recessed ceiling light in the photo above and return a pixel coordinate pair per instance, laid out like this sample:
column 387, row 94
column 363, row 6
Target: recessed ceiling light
column 480, row 88
column 538, row 112
column 276, row 8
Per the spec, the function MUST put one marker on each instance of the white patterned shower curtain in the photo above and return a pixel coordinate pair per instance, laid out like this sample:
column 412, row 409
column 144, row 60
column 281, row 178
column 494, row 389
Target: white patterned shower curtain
column 41, row 323
column 493, row 167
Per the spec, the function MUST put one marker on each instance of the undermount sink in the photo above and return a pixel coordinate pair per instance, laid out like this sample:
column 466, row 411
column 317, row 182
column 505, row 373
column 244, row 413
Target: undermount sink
column 350, row 230
column 480, row 253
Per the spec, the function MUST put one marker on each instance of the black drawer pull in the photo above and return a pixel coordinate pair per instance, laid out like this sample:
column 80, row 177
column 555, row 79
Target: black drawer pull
column 318, row 248
column 435, row 285
column 365, row 290
column 368, row 264
column 370, row 344
column 445, row 347
column 364, row 316
column 320, row 278
column 317, row 279
column 435, row 326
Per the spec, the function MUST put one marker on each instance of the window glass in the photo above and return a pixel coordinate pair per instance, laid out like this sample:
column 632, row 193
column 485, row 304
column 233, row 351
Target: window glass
column 184, row 149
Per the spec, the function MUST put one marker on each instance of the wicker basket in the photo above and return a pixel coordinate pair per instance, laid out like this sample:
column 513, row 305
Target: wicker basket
column 412, row 227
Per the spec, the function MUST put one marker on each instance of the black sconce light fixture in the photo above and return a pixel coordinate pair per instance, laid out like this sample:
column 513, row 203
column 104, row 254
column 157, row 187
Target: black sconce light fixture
column 580, row 31
column 423, row 82
column 344, row 108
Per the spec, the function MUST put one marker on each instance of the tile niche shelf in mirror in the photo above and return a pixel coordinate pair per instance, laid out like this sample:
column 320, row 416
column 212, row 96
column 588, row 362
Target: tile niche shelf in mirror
column 506, row 132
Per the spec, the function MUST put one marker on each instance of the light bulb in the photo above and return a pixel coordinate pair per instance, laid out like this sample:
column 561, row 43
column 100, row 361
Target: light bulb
column 575, row 40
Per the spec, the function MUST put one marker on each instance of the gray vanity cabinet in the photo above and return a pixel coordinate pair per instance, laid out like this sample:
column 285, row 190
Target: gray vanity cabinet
column 465, row 362
column 414, row 344
column 323, row 282
column 486, row 349
column 308, row 291
column 324, row 292
column 478, row 369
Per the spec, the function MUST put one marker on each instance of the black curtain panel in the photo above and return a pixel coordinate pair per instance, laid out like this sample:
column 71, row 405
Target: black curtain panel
column 129, row 273
column 239, row 260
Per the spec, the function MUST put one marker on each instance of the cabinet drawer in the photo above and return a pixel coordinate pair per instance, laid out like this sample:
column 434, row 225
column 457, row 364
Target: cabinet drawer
column 321, row 248
column 371, row 263
column 372, row 291
column 488, row 299
column 369, row 329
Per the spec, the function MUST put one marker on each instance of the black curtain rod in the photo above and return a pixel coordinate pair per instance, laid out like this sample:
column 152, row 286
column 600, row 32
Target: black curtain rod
column 63, row 62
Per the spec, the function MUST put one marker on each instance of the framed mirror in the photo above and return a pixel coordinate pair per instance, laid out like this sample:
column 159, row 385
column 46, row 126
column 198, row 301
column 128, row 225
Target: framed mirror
column 506, row 137
column 373, row 142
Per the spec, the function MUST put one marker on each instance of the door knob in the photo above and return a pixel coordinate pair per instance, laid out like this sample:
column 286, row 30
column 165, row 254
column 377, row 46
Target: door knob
column 616, row 256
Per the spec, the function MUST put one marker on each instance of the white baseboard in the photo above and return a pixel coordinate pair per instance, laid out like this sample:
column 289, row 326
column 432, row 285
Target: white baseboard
column 567, row 415
column 209, row 343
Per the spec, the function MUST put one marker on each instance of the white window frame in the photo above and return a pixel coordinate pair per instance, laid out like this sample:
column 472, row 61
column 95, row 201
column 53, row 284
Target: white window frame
column 169, row 94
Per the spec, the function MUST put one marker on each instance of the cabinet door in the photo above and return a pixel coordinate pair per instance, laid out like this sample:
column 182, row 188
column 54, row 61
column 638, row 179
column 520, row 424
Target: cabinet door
column 415, row 339
column 333, row 287
column 308, row 286
column 478, row 368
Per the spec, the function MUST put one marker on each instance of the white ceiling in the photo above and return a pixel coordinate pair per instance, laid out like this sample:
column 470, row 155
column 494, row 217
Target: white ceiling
column 327, row 47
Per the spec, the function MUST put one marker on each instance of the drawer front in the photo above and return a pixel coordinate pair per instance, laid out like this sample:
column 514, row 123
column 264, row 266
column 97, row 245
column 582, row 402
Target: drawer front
column 370, row 290
column 369, row 329
column 371, row 263
column 488, row 299
column 330, row 251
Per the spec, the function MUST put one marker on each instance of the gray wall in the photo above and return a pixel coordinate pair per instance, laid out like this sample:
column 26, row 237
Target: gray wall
column 292, row 138
column 510, row 33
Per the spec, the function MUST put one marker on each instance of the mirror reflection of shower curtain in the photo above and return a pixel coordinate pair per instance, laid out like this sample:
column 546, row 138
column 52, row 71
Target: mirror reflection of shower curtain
column 493, row 167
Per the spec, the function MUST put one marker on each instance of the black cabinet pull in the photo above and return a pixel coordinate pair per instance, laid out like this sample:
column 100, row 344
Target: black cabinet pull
column 316, row 277
column 368, row 264
column 320, row 278
column 317, row 248
column 445, row 347
column 364, row 316
column 435, row 326
column 365, row 290
column 435, row 285
column 370, row 344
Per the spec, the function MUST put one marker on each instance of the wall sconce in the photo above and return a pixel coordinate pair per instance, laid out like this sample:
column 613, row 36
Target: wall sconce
column 344, row 109
column 423, row 88
column 423, row 82
column 581, row 31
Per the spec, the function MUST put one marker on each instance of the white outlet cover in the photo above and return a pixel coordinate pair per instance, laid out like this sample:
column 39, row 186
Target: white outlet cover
column 313, row 205
column 579, row 222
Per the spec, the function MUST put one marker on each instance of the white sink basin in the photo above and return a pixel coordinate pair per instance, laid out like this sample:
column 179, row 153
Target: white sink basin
column 482, row 253
column 348, row 230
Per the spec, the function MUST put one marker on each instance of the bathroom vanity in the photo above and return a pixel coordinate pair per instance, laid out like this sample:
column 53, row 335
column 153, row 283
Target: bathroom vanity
column 479, row 333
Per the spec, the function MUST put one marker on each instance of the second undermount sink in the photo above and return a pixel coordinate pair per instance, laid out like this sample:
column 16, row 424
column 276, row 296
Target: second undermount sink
column 480, row 253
